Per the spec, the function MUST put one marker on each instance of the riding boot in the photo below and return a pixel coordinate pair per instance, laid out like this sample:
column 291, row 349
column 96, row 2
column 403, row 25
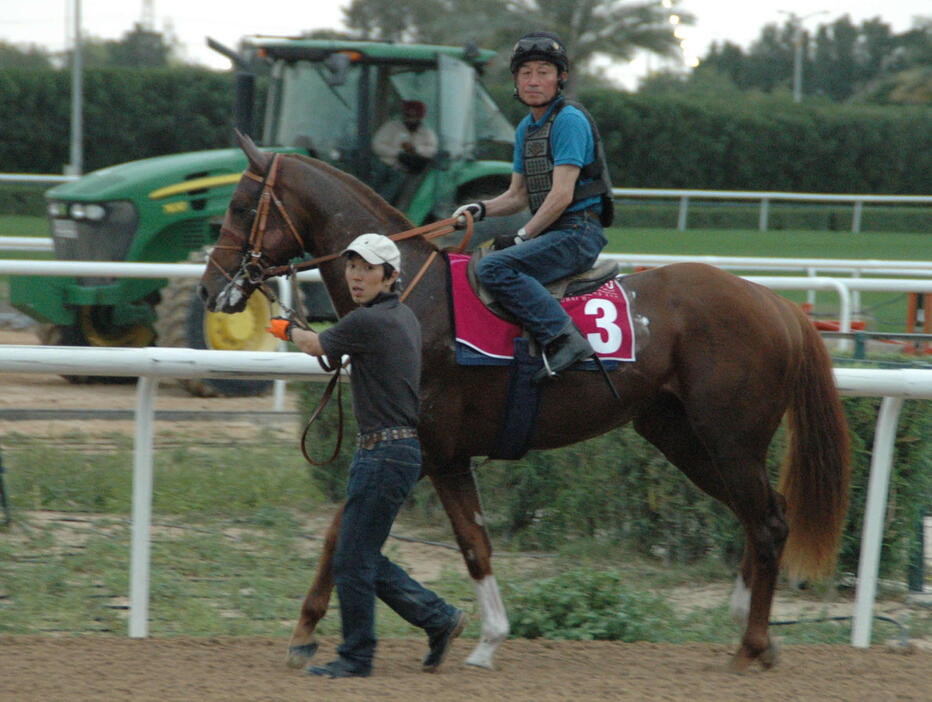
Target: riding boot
column 566, row 349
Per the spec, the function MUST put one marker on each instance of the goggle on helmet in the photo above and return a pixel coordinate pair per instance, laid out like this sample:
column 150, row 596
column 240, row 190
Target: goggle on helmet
column 539, row 46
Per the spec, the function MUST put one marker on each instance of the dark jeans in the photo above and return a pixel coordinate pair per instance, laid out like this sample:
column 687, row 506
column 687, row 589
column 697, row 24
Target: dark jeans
column 380, row 481
column 516, row 276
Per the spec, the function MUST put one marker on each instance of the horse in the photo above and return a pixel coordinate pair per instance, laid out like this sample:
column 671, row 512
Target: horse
column 720, row 362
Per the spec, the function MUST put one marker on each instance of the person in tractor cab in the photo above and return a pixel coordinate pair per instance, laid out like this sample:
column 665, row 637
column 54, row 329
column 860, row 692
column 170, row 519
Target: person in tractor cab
column 559, row 172
column 383, row 340
column 406, row 144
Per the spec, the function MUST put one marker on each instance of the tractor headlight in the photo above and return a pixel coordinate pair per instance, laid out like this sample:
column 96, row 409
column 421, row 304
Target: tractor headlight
column 95, row 212
column 91, row 211
column 57, row 209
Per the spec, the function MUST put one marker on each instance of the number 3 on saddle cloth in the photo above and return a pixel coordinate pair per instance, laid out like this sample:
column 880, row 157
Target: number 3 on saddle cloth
column 484, row 339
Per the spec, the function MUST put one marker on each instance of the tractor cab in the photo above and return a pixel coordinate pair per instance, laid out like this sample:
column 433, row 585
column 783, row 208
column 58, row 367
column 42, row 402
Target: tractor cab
column 330, row 98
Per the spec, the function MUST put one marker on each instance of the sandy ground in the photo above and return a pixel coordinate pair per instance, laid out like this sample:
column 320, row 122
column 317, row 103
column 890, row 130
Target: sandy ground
column 104, row 669
column 108, row 668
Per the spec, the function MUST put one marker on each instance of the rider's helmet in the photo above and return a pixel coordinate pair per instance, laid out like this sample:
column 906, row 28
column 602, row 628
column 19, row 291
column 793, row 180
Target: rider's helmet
column 540, row 46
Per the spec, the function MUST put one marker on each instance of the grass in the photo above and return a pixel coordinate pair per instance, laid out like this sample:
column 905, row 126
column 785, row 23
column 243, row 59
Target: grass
column 232, row 552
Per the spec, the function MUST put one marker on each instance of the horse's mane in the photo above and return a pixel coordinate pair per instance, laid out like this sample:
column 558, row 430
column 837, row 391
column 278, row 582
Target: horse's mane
column 365, row 196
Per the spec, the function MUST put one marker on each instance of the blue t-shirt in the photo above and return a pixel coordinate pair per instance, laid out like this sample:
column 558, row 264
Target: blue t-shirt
column 571, row 144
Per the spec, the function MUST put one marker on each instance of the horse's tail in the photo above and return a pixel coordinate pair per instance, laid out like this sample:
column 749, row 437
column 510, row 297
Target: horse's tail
column 815, row 474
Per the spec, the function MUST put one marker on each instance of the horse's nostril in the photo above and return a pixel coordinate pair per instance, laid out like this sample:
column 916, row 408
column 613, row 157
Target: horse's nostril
column 202, row 292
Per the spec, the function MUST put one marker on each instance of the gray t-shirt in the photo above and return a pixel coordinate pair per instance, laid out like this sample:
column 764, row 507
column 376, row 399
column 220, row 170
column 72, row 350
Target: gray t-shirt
column 383, row 340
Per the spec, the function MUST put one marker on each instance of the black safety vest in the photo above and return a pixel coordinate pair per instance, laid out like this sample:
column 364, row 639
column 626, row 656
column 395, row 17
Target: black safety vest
column 538, row 167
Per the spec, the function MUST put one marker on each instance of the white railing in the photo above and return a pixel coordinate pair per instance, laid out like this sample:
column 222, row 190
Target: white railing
column 149, row 364
column 765, row 198
column 36, row 178
column 846, row 288
column 682, row 196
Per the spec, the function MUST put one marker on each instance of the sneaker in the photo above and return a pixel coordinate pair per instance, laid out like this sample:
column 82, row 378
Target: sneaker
column 340, row 668
column 440, row 643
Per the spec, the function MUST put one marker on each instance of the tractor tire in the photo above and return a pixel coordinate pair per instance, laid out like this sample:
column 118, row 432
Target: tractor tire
column 94, row 328
column 183, row 321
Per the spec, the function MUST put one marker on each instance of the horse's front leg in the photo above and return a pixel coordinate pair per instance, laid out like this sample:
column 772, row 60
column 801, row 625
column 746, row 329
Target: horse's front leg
column 456, row 487
column 303, row 644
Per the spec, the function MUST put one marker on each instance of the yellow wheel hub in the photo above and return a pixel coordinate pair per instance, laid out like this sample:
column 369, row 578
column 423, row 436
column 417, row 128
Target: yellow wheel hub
column 242, row 331
column 98, row 333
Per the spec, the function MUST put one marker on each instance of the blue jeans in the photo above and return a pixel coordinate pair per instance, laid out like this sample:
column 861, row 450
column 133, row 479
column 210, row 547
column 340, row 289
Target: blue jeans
column 516, row 276
column 380, row 481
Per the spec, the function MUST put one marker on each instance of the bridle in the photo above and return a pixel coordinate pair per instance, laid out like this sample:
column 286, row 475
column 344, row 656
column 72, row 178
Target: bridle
column 251, row 264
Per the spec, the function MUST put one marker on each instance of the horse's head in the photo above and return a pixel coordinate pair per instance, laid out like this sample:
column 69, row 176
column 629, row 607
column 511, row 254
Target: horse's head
column 258, row 232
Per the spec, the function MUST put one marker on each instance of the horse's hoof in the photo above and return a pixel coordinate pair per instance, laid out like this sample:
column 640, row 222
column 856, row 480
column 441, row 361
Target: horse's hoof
column 739, row 663
column 298, row 656
column 768, row 659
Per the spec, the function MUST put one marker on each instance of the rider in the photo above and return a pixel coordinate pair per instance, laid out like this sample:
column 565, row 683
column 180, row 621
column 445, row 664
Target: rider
column 559, row 172
column 383, row 340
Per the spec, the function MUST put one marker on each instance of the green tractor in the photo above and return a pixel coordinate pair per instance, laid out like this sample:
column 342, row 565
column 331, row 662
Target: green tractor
column 326, row 99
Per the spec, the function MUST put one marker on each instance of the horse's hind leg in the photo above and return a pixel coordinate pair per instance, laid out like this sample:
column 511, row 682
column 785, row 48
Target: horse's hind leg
column 459, row 494
column 737, row 478
column 303, row 644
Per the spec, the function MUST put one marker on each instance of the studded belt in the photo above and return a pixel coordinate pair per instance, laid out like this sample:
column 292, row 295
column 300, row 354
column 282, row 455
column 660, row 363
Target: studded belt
column 368, row 441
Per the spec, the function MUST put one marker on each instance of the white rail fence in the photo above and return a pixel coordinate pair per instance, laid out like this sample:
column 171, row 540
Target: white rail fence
column 150, row 364
column 765, row 198
column 683, row 197
column 847, row 289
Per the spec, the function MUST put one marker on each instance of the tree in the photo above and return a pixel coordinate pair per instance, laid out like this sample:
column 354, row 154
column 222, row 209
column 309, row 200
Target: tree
column 840, row 61
column 13, row 56
column 617, row 28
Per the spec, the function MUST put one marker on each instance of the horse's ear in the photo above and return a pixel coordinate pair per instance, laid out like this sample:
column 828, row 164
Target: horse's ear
column 258, row 160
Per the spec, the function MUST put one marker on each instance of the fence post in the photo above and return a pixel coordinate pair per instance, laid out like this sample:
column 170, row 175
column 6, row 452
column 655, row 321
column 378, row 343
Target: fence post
column 764, row 214
column 878, row 486
column 142, row 507
column 856, row 217
column 681, row 218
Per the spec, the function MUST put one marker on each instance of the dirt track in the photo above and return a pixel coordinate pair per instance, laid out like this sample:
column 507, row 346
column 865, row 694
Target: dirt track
column 105, row 669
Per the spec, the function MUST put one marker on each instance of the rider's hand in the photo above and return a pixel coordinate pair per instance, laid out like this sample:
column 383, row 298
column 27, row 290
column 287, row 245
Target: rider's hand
column 281, row 328
column 503, row 241
column 476, row 209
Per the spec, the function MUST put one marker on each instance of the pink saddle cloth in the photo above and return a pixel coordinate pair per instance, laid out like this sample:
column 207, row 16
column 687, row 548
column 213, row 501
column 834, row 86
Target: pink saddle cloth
column 603, row 317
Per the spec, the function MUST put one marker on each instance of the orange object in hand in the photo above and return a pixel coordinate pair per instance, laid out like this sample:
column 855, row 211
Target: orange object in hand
column 280, row 327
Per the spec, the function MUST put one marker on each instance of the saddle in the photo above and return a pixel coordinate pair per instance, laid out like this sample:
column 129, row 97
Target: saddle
column 579, row 284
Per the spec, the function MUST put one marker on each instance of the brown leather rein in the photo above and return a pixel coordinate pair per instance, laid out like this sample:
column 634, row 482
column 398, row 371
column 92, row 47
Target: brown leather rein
column 251, row 266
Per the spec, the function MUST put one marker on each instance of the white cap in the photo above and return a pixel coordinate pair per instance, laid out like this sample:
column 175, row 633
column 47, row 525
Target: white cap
column 376, row 249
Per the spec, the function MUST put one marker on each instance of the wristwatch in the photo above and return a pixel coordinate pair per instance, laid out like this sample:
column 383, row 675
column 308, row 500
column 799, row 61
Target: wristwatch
column 522, row 234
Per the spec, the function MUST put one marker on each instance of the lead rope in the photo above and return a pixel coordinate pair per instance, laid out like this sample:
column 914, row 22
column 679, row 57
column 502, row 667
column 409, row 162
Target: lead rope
column 338, row 372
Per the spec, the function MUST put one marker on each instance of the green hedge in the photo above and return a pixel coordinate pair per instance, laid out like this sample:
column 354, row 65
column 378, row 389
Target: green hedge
column 619, row 488
column 128, row 115
column 750, row 143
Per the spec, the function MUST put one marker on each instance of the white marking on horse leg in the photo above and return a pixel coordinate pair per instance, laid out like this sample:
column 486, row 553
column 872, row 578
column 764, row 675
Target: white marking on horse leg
column 741, row 602
column 495, row 627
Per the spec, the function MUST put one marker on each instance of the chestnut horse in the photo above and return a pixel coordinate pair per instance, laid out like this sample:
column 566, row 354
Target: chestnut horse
column 720, row 361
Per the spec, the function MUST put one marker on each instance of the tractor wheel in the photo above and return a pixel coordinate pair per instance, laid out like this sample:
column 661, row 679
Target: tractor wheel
column 94, row 328
column 183, row 321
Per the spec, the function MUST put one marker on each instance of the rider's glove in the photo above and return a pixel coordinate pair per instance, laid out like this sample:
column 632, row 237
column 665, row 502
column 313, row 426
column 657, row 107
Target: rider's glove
column 476, row 209
column 503, row 241
column 281, row 328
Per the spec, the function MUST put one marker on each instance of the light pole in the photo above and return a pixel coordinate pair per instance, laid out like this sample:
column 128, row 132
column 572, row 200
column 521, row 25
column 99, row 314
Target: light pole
column 797, row 23
column 77, row 98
